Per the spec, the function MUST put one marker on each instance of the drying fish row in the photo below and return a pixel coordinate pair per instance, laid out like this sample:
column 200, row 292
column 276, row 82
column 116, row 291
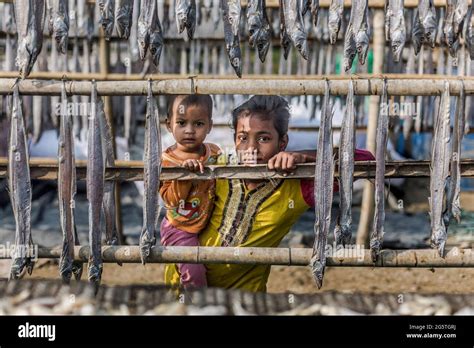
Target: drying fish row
column 46, row 297
column 100, row 192
column 293, row 25
column 444, row 200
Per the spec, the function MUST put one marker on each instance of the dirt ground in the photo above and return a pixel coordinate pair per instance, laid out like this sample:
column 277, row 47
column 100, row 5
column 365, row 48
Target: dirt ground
column 299, row 279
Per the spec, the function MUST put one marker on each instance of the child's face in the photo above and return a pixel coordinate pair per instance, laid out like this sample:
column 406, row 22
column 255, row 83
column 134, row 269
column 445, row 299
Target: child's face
column 189, row 125
column 254, row 133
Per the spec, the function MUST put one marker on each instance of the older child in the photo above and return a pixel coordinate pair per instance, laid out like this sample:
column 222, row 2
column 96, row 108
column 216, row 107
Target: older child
column 189, row 203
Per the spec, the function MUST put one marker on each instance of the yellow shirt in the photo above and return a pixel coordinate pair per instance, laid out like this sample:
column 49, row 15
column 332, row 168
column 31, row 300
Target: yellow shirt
column 247, row 218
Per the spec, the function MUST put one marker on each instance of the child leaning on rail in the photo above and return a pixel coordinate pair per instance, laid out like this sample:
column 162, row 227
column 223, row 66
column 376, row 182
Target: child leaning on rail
column 258, row 212
column 188, row 203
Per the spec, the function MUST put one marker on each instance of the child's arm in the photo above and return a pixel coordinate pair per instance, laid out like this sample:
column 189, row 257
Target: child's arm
column 287, row 161
column 176, row 191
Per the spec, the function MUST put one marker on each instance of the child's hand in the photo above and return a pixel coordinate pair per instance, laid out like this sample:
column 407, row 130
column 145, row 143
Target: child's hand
column 193, row 165
column 286, row 161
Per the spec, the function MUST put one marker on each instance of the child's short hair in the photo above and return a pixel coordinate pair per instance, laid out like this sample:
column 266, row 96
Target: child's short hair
column 203, row 100
column 274, row 108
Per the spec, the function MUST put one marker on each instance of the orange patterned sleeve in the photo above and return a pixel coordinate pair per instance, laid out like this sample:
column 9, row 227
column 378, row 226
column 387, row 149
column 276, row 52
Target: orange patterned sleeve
column 174, row 191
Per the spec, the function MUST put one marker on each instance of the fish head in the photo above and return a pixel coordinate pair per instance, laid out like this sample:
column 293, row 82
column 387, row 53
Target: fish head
column 156, row 46
column 398, row 42
column 181, row 20
column 362, row 46
column 263, row 45
column 143, row 38
column 301, row 43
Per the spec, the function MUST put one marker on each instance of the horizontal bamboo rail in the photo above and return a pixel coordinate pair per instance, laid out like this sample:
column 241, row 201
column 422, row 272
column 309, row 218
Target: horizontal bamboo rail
column 47, row 169
column 195, row 85
column 348, row 257
column 75, row 76
column 325, row 3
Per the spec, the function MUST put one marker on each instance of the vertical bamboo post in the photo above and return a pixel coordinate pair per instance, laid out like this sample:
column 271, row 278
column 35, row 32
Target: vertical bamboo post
column 104, row 59
column 367, row 209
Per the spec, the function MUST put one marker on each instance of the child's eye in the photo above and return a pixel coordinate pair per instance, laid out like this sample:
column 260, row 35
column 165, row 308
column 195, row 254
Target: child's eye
column 263, row 139
column 242, row 137
column 180, row 123
column 200, row 124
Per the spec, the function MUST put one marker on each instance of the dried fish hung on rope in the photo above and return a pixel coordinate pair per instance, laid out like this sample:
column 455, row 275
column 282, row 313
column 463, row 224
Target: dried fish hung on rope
column 425, row 25
column 58, row 13
column 342, row 231
column 323, row 189
column 440, row 172
column 123, row 18
column 95, row 187
column 231, row 17
column 395, row 27
column 259, row 27
column 19, row 188
column 107, row 16
column 151, row 176
column 381, row 141
column 336, row 10
column 30, row 17
column 67, row 192
column 186, row 16
column 294, row 26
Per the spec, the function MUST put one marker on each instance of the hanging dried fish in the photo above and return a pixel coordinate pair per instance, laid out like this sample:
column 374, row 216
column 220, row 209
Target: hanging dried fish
column 150, row 33
column 395, row 30
column 108, row 206
column 231, row 16
column 259, row 27
column 107, row 12
column 58, row 14
column 453, row 207
column 336, row 10
column 19, row 187
column 284, row 38
column 186, row 16
column 439, row 172
column 456, row 11
column 323, row 190
column 424, row 25
column 30, row 17
column 469, row 34
column 357, row 35
column 151, row 176
column 381, row 141
column 123, row 18
column 66, row 192
column 342, row 232
column 95, row 187
column 315, row 11
column 294, row 26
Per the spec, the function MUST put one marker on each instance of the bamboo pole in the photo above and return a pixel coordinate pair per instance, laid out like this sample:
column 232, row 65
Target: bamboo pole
column 194, row 85
column 367, row 209
column 46, row 169
column 77, row 76
column 348, row 257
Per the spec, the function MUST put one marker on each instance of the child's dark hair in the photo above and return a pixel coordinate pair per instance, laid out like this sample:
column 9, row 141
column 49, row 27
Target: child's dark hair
column 274, row 108
column 192, row 99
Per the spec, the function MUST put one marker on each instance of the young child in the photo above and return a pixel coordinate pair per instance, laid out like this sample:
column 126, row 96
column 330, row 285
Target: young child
column 189, row 203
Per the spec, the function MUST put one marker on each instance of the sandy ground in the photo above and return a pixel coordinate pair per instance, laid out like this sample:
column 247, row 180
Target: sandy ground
column 299, row 279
